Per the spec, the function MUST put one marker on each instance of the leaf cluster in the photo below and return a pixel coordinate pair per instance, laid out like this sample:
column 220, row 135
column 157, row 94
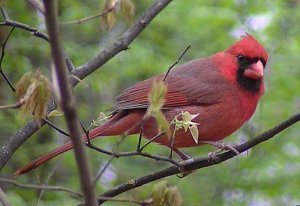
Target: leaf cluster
column 34, row 92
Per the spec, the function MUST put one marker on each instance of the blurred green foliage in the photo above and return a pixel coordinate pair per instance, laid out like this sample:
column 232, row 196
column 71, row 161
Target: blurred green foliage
column 267, row 175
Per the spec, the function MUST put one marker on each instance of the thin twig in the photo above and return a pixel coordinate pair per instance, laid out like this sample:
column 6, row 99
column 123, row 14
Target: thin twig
column 55, row 127
column 4, row 14
column 102, row 170
column 46, row 183
column 41, row 187
column 25, row 27
column 151, row 140
column 141, row 203
column 61, row 189
column 132, row 153
column 183, row 53
column 38, row 5
column 2, row 57
column 80, row 21
column 3, row 198
column 12, row 106
column 68, row 103
column 138, row 148
column 115, row 148
column 87, row 134
column 7, row 80
column 120, row 200
column 69, row 63
column 201, row 162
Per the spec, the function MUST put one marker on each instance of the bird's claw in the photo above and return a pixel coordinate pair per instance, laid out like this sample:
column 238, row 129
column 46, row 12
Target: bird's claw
column 226, row 147
column 221, row 147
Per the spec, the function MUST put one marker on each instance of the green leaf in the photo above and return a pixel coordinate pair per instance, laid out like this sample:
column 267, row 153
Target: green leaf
column 55, row 113
column 128, row 10
column 173, row 197
column 156, row 97
column 163, row 124
column 108, row 19
column 34, row 92
column 158, row 193
column 194, row 132
column 187, row 124
column 100, row 119
column 186, row 117
column 23, row 84
column 163, row 195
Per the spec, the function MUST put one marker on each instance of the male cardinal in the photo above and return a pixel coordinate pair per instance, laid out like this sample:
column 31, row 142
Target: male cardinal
column 223, row 90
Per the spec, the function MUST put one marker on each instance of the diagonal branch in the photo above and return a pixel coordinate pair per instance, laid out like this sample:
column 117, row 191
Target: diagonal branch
column 85, row 19
column 9, row 22
column 68, row 103
column 16, row 140
column 123, row 42
column 26, row 27
column 199, row 162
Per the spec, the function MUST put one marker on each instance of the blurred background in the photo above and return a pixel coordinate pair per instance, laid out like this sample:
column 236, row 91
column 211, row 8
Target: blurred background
column 266, row 175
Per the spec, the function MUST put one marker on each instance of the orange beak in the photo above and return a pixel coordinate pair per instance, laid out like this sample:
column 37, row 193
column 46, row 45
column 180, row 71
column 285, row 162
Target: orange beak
column 255, row 71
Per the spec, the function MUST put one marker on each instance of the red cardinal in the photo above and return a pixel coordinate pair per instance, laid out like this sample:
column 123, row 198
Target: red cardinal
column 222, row 89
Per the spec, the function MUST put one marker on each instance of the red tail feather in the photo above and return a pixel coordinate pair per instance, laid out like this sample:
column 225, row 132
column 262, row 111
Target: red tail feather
column 117, row 125
column 37, row 162
column 64, row 148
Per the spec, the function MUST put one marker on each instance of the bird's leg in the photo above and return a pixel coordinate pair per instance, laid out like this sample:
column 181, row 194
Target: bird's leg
column 151, row 140
column 221, row 147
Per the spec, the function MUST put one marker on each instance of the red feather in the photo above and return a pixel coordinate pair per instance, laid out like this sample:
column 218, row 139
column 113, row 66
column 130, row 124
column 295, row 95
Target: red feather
column 213, row 87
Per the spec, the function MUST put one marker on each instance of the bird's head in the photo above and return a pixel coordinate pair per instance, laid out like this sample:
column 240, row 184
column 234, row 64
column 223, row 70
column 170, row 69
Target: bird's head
column 251, row 59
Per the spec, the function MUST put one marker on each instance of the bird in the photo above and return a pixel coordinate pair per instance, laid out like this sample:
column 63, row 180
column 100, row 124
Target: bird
column 221, row 91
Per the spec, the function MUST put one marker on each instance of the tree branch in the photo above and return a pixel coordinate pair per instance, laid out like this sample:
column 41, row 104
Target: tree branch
column 123, row 42
column 15, row 141
column 68, row 103
column 26, row 27
column 9, row 22
column 40, row 187
column 199, row 162
column 60, row 189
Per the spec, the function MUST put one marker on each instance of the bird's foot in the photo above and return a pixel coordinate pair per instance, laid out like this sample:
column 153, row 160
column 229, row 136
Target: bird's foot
column 221, row 146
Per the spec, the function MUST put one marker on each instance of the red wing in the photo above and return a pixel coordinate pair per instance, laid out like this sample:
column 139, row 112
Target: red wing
column 194, row 83
column 137, row 96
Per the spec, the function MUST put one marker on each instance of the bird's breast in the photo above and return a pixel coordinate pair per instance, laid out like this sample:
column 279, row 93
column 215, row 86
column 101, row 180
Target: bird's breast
column 215, row 122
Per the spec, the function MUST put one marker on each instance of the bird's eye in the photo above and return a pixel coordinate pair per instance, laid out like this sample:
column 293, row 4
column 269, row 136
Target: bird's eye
column 240, row 57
